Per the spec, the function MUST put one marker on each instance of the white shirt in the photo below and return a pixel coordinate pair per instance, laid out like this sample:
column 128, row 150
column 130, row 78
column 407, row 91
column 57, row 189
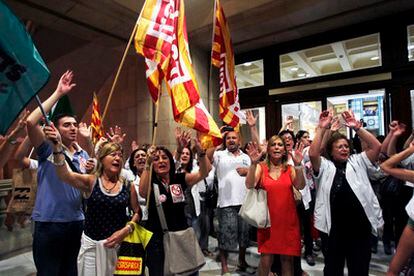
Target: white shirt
column 309, row 181
column 141, row 201
column 231, row 186
column 357, row 177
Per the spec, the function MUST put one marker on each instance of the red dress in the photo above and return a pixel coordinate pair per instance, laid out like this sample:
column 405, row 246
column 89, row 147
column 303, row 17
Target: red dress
column 283, row 237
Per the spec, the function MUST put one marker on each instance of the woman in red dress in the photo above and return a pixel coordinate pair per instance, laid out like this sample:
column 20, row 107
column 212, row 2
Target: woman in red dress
column 277, row 177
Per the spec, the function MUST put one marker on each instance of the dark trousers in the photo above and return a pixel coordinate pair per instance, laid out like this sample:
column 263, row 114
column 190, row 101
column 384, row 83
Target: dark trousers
column 56, row 247
column 340, row 247
column 204, row 223
column 394, row 214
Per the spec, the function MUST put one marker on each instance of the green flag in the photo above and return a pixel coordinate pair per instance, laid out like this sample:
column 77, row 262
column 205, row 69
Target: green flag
column 22, row 70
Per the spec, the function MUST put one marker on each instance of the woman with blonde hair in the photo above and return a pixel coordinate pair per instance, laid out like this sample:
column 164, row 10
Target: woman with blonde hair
column 108, row 197
column 276, row 177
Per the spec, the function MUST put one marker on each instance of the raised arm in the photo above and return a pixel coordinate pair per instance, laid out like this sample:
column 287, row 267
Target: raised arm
column 7, row 147
column 254, row 172
column 204, row 163
column 251, row 121
column 386, row 142
column 22, row 152
column 373, row 145
column 145, row 176
column 389, row 166
column 82, row 182
column 325, row 119
column 288, row 124
column 85, row 138
column 183, row 139
column 34, row 131
column 397, row 130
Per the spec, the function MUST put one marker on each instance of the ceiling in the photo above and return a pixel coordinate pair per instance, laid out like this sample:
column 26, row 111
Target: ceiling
column 253, row 24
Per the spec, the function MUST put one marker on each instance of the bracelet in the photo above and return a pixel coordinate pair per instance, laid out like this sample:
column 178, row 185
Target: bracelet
column 201, row 154
column 356, row 129
column 298, row 167
column 131, row 226
column 130, row 230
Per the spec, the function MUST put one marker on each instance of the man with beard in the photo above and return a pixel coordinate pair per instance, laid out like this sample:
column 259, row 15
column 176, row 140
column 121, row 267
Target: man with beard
column 57, row 214
column 231, row 166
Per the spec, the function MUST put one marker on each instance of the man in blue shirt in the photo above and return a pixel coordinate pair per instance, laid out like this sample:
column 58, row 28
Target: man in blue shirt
column 57, row 214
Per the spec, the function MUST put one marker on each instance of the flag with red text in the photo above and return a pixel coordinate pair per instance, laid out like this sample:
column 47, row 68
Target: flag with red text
column 222, row 56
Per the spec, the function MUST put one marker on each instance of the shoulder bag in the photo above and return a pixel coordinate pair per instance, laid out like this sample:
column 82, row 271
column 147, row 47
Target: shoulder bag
column 183, row 255
column 255, row 210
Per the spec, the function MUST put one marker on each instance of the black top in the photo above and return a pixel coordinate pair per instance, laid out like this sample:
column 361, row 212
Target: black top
column 174, row 212
column 347, row 215
column 105, row 213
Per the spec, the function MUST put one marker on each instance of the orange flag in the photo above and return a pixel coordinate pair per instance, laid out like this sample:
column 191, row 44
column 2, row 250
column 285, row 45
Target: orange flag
column 162, row 39
column 96, row 121
column 222, row 56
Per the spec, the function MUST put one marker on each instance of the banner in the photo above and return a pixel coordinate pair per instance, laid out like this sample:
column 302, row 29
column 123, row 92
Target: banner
column 162, row 39
column 96, row 121
column 22, row 70
column 222, row 56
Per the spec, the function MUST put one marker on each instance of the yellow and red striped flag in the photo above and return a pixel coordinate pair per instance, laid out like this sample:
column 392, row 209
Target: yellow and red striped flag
column 162, row 26
column 222, row 56
column 96, row 121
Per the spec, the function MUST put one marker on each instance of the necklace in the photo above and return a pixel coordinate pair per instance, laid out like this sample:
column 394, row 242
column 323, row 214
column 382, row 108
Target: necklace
column 108, row 190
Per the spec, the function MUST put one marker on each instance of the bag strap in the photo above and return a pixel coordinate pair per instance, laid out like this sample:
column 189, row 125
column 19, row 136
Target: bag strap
column 160, row 211
column 71, row 165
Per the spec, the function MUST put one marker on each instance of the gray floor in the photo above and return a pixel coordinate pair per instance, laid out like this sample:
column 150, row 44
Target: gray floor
column 22, row 263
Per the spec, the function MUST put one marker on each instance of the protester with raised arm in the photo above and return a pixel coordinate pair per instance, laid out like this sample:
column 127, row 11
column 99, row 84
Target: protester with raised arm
column 57, row 214
column 346, row 208
column 171, row 187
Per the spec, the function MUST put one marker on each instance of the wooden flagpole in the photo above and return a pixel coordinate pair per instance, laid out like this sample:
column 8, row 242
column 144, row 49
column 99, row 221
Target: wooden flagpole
column 154, row 137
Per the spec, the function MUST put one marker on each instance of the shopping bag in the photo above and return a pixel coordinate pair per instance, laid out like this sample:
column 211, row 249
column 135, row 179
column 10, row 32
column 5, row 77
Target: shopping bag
column 131, row 256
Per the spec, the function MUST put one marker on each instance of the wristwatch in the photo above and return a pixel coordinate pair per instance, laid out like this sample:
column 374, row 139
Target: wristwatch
column 12, row 141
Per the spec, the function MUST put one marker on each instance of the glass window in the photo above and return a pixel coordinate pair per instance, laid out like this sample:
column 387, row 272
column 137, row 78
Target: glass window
column 368, row 107
column 305, row 115
column 410, row 34
column 260, row 124
column 342, row 56
column 249, row 74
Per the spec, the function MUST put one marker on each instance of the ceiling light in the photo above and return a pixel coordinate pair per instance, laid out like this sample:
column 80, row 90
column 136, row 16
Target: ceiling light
column 301, row 75
column 375, row 58
column 247, row 64
column 294, row 69
column 410, row 47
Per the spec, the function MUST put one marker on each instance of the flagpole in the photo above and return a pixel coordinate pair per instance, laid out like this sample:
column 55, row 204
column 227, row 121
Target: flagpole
column 121, row 64
column 211, row 64
column 154, row 136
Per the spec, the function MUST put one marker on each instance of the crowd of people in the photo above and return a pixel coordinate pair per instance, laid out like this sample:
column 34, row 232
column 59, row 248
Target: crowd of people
column 327, row 191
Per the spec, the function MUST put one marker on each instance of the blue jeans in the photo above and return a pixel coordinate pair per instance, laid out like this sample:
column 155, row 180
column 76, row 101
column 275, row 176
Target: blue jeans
column 56, row 247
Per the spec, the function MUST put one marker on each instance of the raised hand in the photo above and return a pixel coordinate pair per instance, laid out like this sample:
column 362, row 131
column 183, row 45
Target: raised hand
column 197, row 144
column 65, row 84
column 335, row 124
column 289, row 122
column 134, row 145
column 296, row 154
column 21, row 126
column 250, row 119
column 325, row 119
column 254, row 152
column 399, row 129
column 350, row 120
column 151, row 152
column 84, row 130
column 116, row 135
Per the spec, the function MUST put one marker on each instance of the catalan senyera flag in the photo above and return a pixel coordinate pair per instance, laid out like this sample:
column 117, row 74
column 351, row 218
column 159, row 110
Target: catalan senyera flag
column 222, row 56
column 162, row 39
column 96, row 121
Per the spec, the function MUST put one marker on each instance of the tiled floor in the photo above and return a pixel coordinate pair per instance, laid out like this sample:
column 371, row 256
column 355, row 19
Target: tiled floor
column 22, row 265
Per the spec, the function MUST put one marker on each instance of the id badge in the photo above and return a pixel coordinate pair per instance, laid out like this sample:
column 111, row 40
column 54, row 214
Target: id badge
column 177, row 193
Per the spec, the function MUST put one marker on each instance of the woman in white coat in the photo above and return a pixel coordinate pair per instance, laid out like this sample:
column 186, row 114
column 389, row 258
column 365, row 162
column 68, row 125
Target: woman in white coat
column 346, row 208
